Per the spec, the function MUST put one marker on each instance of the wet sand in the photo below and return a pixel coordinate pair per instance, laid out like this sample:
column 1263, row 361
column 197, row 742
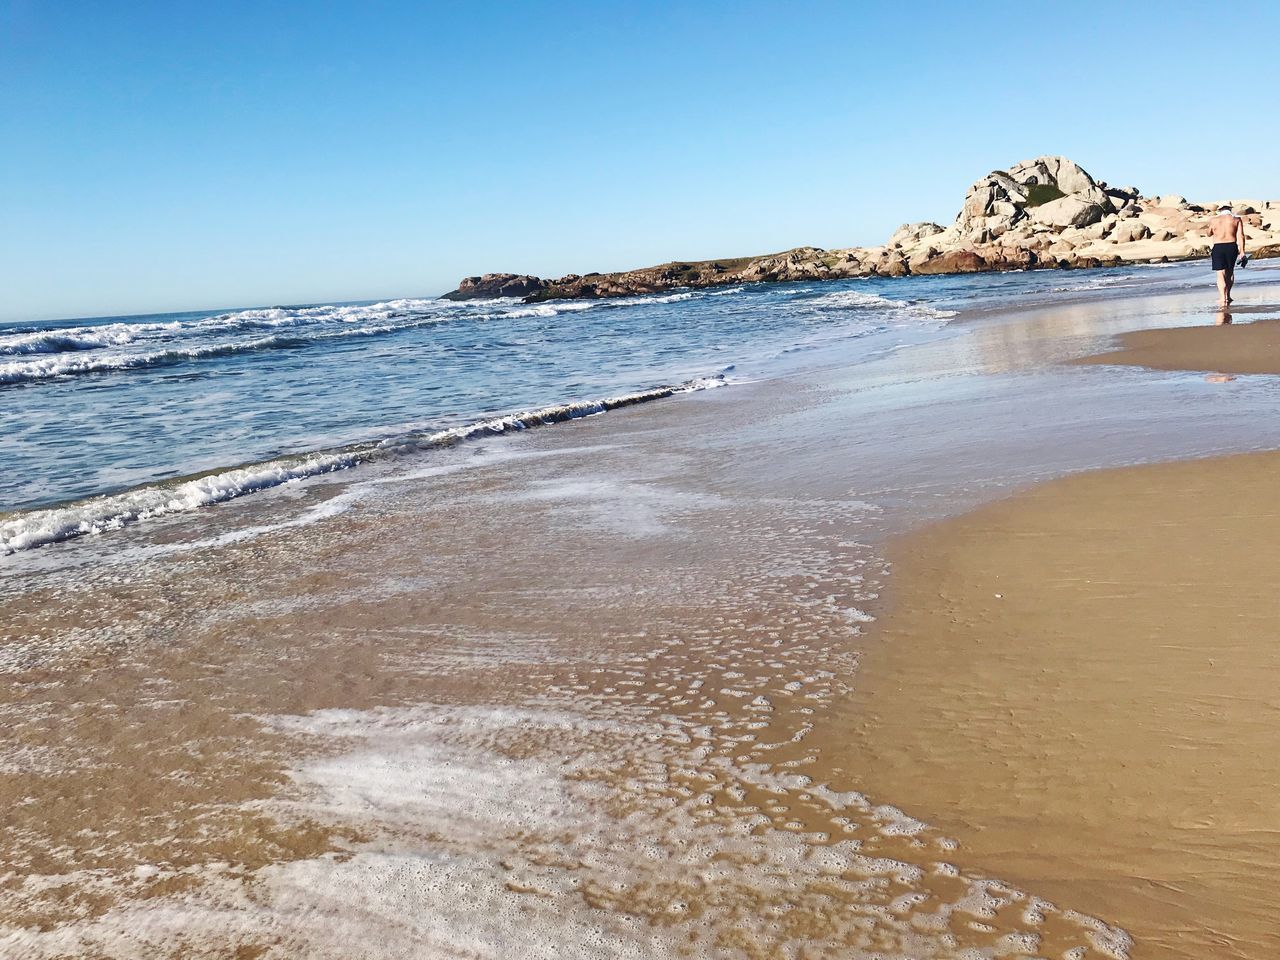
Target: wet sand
column 1081, row 683
column 1234, row 347
column 584, row 728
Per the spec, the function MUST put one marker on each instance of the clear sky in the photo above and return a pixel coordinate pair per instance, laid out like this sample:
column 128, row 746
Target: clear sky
column 181, row 155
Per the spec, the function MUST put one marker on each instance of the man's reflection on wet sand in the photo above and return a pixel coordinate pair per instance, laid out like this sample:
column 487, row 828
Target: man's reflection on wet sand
column 1222, row 318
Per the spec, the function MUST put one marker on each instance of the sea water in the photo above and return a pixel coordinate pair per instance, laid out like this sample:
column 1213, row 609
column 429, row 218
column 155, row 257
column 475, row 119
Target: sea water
column 116, row 419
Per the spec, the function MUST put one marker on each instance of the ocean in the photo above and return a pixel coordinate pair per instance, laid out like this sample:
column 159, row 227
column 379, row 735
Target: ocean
column 112, row 420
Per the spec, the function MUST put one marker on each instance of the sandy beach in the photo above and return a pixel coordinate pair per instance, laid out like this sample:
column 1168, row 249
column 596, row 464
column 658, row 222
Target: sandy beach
column 1079, row 681
column 1233, row 347
column 725, row 675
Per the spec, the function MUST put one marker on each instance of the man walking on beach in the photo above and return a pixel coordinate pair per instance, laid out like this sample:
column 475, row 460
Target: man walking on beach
column 1227, row 232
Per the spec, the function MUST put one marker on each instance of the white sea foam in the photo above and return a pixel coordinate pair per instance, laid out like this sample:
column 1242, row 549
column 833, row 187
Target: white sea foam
column 488, row 837
column 551, row 308
column 78, row 338
column 69, row 364
column 34, row 528
column 677, row 297
column 299, row 316
column 90, row 337
column 857, row 299
column 65, row 364
column 85, row 350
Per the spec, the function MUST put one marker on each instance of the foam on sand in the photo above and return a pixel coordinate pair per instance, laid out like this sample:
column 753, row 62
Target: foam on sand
column 493, row 833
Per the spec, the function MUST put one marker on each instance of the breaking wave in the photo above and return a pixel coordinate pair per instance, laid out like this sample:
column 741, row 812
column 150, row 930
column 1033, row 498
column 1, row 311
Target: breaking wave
column 117, row 347
column 61, row 365
column 24, row 530
column 858, row 299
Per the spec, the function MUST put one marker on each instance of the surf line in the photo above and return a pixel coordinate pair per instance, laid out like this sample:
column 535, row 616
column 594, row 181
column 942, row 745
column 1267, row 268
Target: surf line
column 26, row 530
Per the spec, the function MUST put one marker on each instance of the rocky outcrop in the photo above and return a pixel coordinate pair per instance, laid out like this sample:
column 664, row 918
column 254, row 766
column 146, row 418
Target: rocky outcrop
column 496, row 285
column 1042, row 213
column 1052, row 191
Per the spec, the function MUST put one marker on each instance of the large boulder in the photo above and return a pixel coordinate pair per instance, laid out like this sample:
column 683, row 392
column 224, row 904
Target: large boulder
column 1004, row 257
column 910, row 233
column 493, row 285
column 802, row 263
column 892, row 265
column 1119, row 195
column 1069, row 211
column 1100, row 229
column 1129, row 231
column 952, row 261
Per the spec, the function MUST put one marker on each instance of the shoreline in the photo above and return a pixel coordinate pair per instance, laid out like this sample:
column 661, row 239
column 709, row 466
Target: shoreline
column 651, row 723
column 1229, row 348
column 113, row 508
column 39, row 526
column 614, row 284
column 409, row 696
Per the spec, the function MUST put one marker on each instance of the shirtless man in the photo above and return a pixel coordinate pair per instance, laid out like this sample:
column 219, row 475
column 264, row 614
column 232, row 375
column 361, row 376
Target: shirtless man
column 1227, row 231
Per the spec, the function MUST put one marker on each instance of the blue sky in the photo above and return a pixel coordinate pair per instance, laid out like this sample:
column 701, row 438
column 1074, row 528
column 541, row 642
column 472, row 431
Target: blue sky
column 175, row 155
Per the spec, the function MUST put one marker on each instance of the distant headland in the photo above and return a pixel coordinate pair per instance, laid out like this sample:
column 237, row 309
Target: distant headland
column 1042, row 213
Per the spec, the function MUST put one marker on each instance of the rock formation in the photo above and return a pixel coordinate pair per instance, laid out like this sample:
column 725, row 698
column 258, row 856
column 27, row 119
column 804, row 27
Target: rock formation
column 1041, row 213
column 496, row 285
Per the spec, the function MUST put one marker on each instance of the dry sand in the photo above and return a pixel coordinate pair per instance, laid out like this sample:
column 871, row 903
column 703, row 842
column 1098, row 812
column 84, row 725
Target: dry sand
column 1080, row 684
column 1228, row 347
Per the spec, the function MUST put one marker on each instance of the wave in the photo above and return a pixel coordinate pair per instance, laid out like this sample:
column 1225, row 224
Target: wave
column 271, row 317
column 26, row 530
column 551, row 308
column 857, row 299
column 78, row 338
column 51, row 348
column 1097, row 282
column 89, row 337
column 79, row 350
column 62, row 365
column 852, row 298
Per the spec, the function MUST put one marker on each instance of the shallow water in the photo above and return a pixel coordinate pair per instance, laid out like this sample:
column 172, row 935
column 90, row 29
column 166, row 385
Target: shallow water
column 94, row 407
column 139, row 404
